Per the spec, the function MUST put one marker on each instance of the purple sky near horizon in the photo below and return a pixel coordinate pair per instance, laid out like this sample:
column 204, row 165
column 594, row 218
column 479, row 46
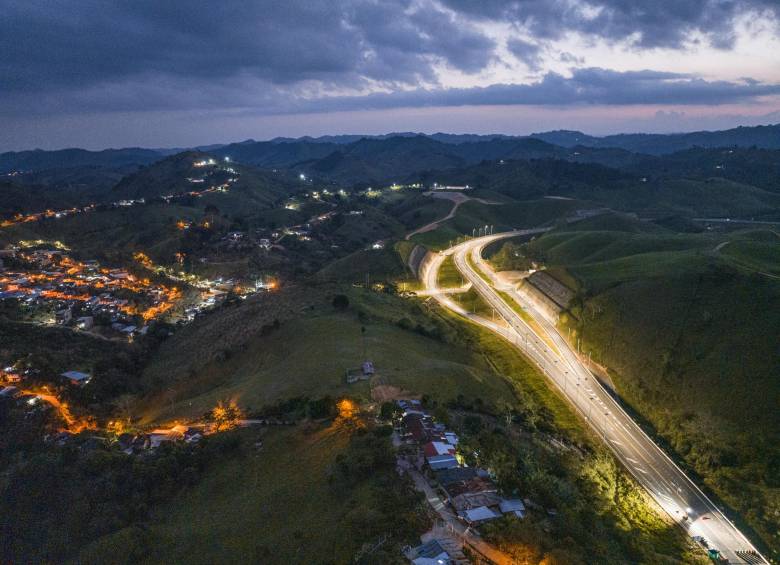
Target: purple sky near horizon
column 98, row 74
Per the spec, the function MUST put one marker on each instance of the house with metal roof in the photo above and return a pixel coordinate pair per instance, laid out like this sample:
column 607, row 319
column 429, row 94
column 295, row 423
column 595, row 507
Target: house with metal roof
column 77, row 377
column 479, row 515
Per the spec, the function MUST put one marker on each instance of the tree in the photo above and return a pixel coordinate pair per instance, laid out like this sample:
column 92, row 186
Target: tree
column 340, row 302
column 389, row 410
column 225, row 416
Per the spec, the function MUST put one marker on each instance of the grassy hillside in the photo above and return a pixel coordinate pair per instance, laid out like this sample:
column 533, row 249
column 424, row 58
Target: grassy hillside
column 654, row 196
column 687, row 325
column 473, row 215
column 112, row 232
column 374, row 264
column 304, row 497
column 451, row 364
column 229, row 355
column 17, row 198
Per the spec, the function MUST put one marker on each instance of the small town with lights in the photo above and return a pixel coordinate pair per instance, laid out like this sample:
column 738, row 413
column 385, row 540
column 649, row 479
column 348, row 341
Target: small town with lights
column 430, row 282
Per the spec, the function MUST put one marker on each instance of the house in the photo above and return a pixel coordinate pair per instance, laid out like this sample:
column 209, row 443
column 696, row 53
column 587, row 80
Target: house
column 10, row 392
column 447, row 477
column 450, row 187
column 430, row 553
column 479, row 515
column 513, row 506
column 12, row 377
column 477, row 499
column 85, row 322
column 412, row 404
column 471, row 486
column 368, row 368
column 442, row 462
column 64, row 316
column 157, row 437
column 433, row 448
column 77, row 377
column 414, row 425
column 190, row 434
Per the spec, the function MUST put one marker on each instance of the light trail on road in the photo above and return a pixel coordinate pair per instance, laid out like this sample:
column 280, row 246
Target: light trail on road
column 668, row 485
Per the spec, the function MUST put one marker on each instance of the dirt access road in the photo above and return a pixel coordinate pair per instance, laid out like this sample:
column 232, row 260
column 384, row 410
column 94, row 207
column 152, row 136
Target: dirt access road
column 457, row 199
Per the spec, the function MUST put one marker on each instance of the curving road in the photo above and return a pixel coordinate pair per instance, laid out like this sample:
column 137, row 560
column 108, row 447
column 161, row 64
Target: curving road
column 671, row 488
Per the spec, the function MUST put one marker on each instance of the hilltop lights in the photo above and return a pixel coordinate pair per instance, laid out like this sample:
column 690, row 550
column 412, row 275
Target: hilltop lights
column 347, row 408
column 302, row 176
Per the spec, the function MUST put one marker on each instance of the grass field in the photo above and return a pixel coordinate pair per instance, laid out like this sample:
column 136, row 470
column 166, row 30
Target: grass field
column 377, row 264
column 309, row 356
column 304, row 496
column 687, row 325
column 449, row 276
column 761, row 256
column 237, row 506
column 234, row 511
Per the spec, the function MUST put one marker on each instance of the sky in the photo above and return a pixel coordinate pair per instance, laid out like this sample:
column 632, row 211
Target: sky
column 103, row 73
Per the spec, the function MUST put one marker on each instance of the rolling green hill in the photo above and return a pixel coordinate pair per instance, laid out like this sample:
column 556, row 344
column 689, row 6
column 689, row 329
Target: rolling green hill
column 687, row 325
column 415, row 351
column 39, row 160
column 658, row 144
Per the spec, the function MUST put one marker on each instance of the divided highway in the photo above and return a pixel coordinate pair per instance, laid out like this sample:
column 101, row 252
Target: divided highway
column 674, row 492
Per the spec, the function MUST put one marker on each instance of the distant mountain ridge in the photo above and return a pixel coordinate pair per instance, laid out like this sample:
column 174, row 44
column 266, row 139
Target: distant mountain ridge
column 459, row 148
column 38, row 159
column 763, row 137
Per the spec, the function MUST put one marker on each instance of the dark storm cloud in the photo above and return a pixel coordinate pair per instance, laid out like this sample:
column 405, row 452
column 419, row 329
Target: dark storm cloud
column 644, row 23
column 66, row 44
column 529, row 53
column 61, row 57
column 586, row 86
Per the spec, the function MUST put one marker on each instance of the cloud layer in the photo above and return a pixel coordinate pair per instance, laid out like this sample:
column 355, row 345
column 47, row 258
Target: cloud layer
column 94, row 56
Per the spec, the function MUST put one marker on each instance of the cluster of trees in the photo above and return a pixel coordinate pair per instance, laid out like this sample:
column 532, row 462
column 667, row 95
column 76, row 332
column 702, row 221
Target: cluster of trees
column 599, row 513
column 57, row 500
column 510, row 256
column 395, row 509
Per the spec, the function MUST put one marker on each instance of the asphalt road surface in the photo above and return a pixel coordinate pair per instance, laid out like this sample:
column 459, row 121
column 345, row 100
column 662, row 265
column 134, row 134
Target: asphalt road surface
column 674, row 492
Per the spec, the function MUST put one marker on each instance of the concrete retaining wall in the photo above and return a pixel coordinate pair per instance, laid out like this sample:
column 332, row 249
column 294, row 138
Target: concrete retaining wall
column 540, row 300
column 418, row 259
